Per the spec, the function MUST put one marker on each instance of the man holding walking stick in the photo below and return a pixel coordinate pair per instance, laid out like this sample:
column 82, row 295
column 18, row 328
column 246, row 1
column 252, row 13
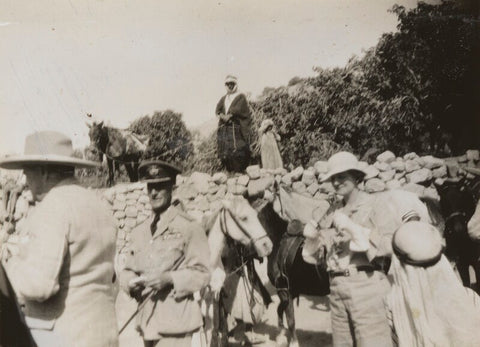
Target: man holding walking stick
column 167, row 261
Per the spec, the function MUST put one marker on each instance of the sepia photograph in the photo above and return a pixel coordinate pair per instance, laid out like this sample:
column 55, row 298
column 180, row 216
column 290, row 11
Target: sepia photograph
column 214, row 173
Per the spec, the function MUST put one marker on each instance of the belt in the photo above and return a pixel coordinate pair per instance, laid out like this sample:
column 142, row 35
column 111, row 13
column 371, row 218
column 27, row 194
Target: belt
column 351, row 271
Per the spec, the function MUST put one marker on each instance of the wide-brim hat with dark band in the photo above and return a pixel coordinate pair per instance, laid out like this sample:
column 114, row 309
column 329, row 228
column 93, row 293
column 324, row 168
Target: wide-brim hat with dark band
column 342, row 162
column 156, row 171
column 46, row 148
column 417, row 243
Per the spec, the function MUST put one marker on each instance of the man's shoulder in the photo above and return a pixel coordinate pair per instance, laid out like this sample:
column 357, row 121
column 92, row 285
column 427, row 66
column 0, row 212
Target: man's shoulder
column 182, row 219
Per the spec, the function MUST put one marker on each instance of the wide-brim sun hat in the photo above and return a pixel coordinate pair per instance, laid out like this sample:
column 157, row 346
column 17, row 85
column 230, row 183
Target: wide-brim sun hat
column 157, row 171
column 265, row 124
column 417, row 243
column 46, row 148
column 342, row 162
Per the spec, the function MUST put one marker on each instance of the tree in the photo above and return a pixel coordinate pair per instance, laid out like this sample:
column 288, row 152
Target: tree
column 170, row 140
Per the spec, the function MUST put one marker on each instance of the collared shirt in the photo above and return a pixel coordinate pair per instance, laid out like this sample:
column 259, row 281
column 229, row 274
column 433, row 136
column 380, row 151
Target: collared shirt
column 179, row 246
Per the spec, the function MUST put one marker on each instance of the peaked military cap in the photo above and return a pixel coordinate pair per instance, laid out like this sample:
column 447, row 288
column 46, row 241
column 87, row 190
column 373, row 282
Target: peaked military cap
column 156, row 171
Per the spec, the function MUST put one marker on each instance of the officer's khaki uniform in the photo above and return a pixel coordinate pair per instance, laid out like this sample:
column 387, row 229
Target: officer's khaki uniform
column 179, row 245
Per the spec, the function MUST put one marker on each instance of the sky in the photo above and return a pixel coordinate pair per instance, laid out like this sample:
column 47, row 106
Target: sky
column 120, row 60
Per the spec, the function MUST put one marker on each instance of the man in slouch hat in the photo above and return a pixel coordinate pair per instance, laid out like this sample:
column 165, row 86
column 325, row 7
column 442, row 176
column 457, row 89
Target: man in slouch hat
column 63, row 272
column 167, row 261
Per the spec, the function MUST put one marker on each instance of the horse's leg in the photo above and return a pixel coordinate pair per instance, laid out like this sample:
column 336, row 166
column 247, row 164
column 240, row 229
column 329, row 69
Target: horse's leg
column 110, row 172
column 130, row 172
column 290, row 314
column 283, row 337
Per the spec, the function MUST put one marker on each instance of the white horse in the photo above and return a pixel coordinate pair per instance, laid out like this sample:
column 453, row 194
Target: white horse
column 235, row 222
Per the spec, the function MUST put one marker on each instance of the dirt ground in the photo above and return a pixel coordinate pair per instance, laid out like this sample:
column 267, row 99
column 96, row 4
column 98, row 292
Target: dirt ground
column 312, row 318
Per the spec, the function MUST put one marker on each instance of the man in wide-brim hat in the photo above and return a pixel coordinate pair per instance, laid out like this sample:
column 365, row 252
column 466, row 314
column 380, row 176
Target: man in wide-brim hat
column 166, row 262
column 63, row 273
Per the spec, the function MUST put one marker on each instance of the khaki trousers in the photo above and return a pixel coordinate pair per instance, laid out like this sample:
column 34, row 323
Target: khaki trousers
column 359, row 315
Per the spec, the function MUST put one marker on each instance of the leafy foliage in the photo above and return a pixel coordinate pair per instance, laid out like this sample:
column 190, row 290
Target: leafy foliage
column 170, row 140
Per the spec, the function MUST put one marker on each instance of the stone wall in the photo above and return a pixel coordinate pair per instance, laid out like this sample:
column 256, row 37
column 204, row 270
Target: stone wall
column 202, row 193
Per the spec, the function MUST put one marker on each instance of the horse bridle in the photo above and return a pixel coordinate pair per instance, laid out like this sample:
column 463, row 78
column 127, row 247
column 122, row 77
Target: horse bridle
column 223, row 225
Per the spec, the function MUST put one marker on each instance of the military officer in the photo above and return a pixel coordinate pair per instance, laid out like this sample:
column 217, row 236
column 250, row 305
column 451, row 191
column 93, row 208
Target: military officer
column 167, row 261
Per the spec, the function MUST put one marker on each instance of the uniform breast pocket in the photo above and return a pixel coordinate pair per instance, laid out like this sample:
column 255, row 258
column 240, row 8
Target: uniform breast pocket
column 169, row 251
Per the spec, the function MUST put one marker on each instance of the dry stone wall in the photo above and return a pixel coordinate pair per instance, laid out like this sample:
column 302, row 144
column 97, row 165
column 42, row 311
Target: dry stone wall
column 202, row 193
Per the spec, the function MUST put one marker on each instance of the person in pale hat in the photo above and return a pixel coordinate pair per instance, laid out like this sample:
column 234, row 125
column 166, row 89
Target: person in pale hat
column 63, row 273
column 233, row 134
column 428, row 305
column 269, row 152
column 358, row 252
column 166, row 262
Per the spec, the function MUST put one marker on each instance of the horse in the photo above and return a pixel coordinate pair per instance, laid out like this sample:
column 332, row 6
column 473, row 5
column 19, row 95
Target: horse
column 118, row 146
column 236, row 230
column 457, row 203
column 288, row 272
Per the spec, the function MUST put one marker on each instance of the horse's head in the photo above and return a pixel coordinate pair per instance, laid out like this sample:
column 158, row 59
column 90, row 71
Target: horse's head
column 457, row 205
column 241, row 223
column 96, row 133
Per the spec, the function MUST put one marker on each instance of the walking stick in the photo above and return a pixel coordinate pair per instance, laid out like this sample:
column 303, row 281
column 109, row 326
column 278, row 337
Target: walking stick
column 139, row 308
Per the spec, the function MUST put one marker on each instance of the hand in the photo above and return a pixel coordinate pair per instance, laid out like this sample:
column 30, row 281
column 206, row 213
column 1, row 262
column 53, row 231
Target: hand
column 156, row 280
column 136, row 287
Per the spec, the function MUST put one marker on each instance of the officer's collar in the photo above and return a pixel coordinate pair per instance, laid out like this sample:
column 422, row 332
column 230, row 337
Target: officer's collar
column 165, row 219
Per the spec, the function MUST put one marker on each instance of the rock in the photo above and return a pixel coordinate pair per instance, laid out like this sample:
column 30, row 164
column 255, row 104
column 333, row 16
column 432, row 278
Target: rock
column 215, row 205
column 180, row 179
column 131, row 222
column 308, row 177
column 462, row 159
column 287, row 179
column 131, row 202
column 386, row 175
column 410, row 156
column 202, row 203
column 414, row 188
column 141, row 218
column 321, row 167
column 386, row 157
column 120, row 197
column 137, row 186
column 219, row 178
column 186, row 192
column 118, row 205
column 430, row 162
column 239, row 190
column 299, row 187
column 313, row 188
column 121, row 189
column 371, row 172
column 374, row 185
column 131, row 212
column 440, row 172
column 220, row 194
column 402, row 180
column 419, row 176
column 200, row 181
column 473, row 155
column 21, row 208
column 393, row 184
column 253, row 171
column 231, row 181
column 280, row 171
column 382, row 166
column 399, row 175
column 397, row 165
column 197, row 215
column 326, row 187
column 320, row 196
column 148, row 207
column 144, row 199
column 256, row 188
column 420, row 161
column 133, row 196
column 412, row 165
column 243, row 180
column 361, row 185
column 27, row 194
column 362, row 165
column 210, row 197
column 121, row 234
column 213, row 189
column 297, row 173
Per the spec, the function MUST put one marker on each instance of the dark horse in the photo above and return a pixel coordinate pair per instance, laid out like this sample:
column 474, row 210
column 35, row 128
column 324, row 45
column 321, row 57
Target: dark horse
column 287, row 270
column 119, row 147
column 457, row 202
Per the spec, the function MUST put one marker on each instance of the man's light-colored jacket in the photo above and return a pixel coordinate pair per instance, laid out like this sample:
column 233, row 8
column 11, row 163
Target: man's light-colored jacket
column 64, row 272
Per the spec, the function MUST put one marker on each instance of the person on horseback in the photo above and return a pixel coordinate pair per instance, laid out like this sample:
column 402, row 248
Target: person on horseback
column 357, row 254
column 428, row 305
column 63, row 273
column 167, row 262
column 233, row 134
